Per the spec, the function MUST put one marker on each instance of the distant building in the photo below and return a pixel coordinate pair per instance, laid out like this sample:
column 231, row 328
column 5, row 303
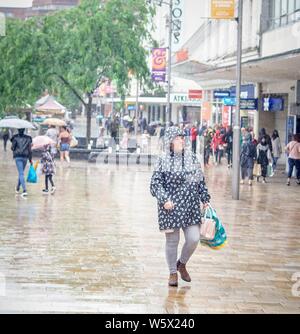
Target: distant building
column 42, row 7
column 39, row 7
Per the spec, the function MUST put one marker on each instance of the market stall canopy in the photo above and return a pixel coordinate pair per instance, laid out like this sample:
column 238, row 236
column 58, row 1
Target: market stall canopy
column 48, row 105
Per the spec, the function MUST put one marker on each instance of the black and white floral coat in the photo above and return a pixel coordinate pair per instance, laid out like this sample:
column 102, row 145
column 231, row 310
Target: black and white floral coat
column 178, row 178
column 48, row 164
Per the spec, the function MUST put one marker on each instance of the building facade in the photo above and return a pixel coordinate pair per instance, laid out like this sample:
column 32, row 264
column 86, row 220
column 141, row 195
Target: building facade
column 270, row 64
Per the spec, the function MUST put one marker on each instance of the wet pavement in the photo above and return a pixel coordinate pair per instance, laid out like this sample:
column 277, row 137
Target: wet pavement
column 94, row 246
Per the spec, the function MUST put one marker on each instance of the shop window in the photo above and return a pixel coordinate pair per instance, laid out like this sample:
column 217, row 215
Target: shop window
column 283, row 12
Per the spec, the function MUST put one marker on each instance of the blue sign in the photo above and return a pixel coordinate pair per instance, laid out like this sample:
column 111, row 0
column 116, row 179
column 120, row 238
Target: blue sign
column 290, row 128
column 229, row 101
column 246, row 104
column 249, row 104
column 273, row 104
column 247, row 91
column 220, row 94
column 131, row 108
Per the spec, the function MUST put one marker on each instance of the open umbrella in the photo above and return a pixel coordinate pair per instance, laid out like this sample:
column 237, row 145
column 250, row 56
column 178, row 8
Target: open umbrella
column 41, row 141
column 54, row 122
column 16, row 123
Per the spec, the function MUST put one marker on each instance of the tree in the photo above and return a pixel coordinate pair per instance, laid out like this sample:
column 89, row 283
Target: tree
column 75, row 49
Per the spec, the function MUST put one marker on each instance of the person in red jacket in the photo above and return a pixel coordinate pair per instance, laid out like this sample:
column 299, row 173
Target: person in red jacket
column 217, row 146
column 194, row 134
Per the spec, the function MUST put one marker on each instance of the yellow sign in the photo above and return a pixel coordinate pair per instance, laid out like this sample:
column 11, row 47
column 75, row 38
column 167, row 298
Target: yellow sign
column 222, row 9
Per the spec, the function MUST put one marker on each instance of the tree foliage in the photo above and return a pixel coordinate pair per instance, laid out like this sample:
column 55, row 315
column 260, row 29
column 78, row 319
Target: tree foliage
column 73, row 50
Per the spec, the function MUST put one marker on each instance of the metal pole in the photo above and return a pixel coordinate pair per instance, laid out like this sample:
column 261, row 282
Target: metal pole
column 237, row 125
column 136, row 106
column 170, row 60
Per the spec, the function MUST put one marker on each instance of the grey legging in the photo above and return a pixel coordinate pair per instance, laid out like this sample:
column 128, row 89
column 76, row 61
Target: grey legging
column 192, row 238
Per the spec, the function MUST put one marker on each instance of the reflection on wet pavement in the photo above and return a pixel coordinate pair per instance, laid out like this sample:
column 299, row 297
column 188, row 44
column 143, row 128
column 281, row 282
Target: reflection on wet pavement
column 94, row 246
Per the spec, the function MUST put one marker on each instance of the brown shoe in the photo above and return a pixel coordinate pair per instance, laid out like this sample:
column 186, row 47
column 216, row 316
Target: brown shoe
column 183, row 272
column 173, row 280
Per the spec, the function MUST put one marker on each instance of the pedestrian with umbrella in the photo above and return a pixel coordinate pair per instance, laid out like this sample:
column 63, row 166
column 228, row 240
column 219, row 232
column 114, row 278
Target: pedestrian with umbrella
column 21, row 147
column 47, row 160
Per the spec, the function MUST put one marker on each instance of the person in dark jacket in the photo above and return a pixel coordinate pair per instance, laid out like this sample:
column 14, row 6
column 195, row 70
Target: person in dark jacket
column 228, row 140
column 263, row 133
column 208, row 136
column 264, row 157
column 179, row 186
column 6, row 136
column 21, row 147
column 248, row 157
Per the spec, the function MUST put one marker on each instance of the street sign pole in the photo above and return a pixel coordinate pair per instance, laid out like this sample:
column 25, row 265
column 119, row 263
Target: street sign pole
column 237, row 125
column 136, row 114
column 170, row 61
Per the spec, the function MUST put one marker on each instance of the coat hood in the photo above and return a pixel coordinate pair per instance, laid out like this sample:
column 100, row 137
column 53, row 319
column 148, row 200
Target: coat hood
column 171, row 133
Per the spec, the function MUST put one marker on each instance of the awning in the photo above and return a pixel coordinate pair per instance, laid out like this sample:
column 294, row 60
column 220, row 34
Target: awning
column 269, row 69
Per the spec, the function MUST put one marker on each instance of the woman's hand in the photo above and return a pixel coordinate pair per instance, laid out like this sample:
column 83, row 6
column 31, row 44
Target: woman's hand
column 205, row 205
column 169, row 205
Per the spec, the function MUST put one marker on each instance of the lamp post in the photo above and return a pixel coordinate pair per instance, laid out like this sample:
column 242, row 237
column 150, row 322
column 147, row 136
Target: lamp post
column 170, row 5
column 237, row 125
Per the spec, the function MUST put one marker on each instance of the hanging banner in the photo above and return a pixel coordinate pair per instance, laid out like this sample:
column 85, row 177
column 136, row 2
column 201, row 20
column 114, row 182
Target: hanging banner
column 225, row 116
column 159, row 64
column 222, row 9
column 206, row 111
column 177, row 24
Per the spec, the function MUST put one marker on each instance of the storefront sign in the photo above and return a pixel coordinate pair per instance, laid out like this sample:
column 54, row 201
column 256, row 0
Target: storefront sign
column 273, row 104
column 184, row 99
column 247, row 91
column 177, row 24
column 159, row 64
column 222, row 9
column 249, row 104
column 229, row 101
column 182, row 55
column 195, row 94
column 220, row 94
column 246, row 104
column 131, row 107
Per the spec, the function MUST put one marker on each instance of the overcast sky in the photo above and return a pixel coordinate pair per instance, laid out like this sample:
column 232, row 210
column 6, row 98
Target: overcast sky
column 15, row 3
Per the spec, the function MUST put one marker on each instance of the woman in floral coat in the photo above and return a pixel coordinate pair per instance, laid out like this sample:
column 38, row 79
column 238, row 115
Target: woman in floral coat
column 48, row 169
column 179, row 186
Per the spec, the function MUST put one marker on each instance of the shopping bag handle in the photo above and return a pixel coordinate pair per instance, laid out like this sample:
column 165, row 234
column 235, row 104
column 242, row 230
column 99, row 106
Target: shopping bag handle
column 209, row 209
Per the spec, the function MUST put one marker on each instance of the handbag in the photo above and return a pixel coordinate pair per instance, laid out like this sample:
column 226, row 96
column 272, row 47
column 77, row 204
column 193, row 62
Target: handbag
column 220, row 238
column 257, row 169
column 270, row 171
column 208, row 226
column 74, row 142
column 32, row 176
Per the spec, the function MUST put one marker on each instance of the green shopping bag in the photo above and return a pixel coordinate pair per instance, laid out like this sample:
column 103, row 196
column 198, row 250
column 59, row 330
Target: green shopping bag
column 220, row 238
column 270, row 171
column 31, row 176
